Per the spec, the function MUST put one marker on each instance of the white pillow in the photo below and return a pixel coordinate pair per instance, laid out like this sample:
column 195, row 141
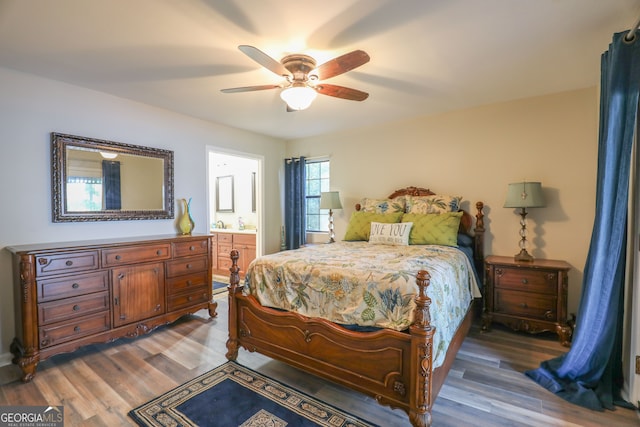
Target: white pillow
column 396, row 234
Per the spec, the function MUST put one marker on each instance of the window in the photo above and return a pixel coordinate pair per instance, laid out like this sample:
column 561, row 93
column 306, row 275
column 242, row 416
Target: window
column 317, row 182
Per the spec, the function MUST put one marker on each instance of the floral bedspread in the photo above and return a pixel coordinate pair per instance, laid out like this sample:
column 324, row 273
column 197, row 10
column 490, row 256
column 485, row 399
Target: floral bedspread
column 357, row 283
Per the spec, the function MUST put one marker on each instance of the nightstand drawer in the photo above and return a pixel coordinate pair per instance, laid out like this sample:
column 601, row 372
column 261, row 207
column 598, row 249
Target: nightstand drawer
column 527, row 280
column 533, row 306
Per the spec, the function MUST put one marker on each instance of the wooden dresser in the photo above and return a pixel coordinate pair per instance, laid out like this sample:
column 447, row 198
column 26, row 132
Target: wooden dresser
column 71, row 294
column 527, row 296
column 244, row 243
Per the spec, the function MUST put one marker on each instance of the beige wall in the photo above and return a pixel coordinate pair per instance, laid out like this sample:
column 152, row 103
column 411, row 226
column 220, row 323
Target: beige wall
column 476, row 153
column 31, row 108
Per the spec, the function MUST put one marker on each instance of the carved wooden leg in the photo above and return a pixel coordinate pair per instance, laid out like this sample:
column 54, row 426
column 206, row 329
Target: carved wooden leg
column 564, row 333
column 420, row 420
column 28, row 365
column 212, row 309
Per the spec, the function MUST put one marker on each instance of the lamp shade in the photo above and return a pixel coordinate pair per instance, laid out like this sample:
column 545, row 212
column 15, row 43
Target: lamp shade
column 524, row 195
column 298, row 96
column 330, row 200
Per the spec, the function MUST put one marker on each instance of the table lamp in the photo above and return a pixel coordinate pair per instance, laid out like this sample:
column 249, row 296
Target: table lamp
column 330, row 200
column 524, row 195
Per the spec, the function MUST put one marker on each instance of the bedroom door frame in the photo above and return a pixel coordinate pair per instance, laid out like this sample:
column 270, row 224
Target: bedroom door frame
column 211, row 152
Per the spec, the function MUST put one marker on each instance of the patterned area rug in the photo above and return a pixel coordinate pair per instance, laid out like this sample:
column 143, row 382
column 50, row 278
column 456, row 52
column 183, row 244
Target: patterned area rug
column 232, row 395
column 219, row 287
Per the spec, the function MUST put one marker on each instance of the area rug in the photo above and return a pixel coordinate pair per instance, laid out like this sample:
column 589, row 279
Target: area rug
column 232, row 395
column 219, row 287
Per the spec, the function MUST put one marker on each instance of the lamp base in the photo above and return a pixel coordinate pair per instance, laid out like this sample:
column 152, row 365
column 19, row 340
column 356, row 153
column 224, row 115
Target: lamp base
column 523, row 256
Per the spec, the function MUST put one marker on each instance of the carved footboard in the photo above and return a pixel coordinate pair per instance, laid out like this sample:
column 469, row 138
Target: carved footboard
column 393, row 367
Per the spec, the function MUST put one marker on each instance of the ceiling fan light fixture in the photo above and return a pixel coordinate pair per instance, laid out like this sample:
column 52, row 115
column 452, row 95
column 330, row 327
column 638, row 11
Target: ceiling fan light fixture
column 298, row 96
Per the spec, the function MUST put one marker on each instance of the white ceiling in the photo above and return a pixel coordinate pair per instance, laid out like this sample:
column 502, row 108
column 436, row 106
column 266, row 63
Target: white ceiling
column 427, row 56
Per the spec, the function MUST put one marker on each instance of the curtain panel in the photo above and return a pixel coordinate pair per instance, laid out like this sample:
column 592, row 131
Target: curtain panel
column 294, row 202
column 590, row 373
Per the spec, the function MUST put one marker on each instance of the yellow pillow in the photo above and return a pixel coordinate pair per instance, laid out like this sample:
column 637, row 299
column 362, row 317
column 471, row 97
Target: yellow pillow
column 434, row 229
column 360, row 223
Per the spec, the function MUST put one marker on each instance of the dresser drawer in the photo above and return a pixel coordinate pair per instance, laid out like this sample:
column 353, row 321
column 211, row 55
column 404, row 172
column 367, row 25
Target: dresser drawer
column 527, row 280
column 533, row 306
column 59, row 333
column 185, row 300
column 70, row 286
column 224, row 263
column 65, row 263
column 135, row 254
column 190, row 248
column 224, row 250
column 184, row 283
column 184, row 266
column 56, row 311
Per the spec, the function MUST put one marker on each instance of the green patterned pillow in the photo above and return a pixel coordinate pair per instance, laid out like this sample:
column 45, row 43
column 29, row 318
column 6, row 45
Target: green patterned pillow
column 434, row 229
column 360, row 223
column 383, row 205
column 438, row 203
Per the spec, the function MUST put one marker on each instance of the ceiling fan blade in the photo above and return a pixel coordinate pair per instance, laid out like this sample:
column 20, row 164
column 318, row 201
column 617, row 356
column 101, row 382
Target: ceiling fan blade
column 249, row 88
column 342, row 92
column 341, row 64
column 265, row 60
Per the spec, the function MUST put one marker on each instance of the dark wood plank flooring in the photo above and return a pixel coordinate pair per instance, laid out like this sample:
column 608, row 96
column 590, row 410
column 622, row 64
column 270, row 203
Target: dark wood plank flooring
column 99, row 384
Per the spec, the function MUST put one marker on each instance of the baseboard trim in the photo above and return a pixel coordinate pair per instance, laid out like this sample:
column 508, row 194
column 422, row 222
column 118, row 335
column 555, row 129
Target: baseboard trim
column 5, row 359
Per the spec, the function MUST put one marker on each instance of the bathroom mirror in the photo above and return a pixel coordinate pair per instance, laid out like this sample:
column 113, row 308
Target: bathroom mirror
column 224, row 193
column 97, row 180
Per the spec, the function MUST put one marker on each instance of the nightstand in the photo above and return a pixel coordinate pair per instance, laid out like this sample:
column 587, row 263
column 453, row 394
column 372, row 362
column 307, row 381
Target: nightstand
column 527, row 296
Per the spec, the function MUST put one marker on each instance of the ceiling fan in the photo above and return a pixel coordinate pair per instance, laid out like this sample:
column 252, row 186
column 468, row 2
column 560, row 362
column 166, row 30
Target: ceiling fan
column 304, row 79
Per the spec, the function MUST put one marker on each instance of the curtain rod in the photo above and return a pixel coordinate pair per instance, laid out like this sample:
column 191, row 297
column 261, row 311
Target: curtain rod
column 632, row 32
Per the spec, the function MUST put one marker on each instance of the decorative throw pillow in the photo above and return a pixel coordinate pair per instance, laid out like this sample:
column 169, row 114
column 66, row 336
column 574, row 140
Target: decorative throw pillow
column 434, row 229
column 383, row 205
column 437, row 203
column 360, row 223
column 396, row 234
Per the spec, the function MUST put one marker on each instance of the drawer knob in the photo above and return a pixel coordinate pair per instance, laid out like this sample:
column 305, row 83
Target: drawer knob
column 192, row 248
column 76, row 329
column 189, row 283
column 69, row 263
column 524, row 305
column 76, row 307
column 75, row 286
column 189, row 298
column 118, row 257
column 525, row 281
column 188, row 265
column 159, row 252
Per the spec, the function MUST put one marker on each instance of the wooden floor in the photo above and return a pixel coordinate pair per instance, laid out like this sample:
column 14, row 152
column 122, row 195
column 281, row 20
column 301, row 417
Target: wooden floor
column 99, row 384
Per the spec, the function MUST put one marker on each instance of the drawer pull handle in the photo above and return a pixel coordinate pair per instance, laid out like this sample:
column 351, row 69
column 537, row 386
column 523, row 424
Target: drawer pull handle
column 189, row 298
column 159, row 252
column 76, row 329
column 69, row 263
column 524, row 305
column 118, row 257
column 75, row 286
column 76, row 307
column 192, row 248
column 189, row 283
column 525, row 281
column 188, row 265
column 157, row 307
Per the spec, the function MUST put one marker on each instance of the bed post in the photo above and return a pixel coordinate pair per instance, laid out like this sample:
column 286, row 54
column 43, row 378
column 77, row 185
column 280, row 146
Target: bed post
column 421, row 398
column 478, row 238
column 234, row 281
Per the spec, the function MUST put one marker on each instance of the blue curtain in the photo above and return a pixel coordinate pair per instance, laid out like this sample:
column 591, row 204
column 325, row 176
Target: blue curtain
column 294, row 202
column 111, row 184
column 590, row 373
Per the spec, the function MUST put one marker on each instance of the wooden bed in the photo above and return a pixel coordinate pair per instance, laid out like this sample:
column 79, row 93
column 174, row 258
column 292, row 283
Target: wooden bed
column 393, row 367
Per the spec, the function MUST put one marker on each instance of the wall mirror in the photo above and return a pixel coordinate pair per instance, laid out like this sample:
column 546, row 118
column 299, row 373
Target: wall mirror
column 224, row 193
column 96, row 180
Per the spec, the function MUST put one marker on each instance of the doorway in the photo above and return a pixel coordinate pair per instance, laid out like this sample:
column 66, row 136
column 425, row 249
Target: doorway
column 235, row 195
